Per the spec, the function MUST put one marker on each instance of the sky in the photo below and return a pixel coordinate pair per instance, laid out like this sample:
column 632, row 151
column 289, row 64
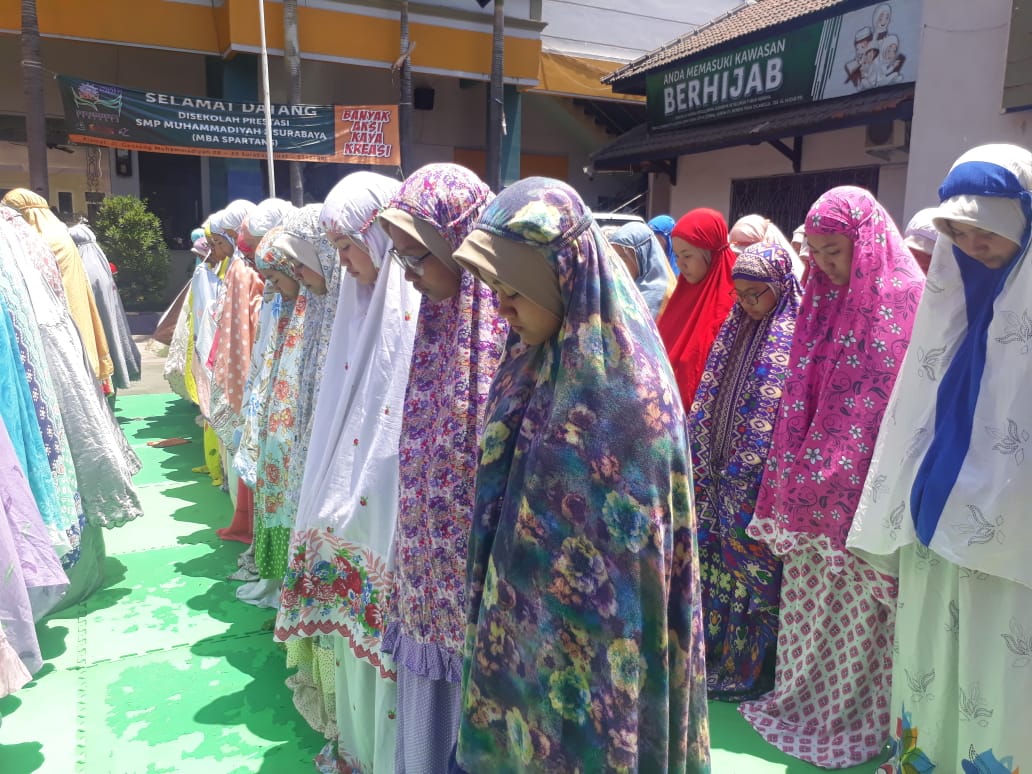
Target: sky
column 621, row 29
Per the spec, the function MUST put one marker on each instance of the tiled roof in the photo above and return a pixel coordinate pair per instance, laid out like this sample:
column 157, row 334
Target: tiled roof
column 640, row 145
column 752, row 16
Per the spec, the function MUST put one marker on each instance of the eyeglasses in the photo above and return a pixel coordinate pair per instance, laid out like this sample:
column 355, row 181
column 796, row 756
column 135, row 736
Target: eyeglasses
column 748, row 299
column 413, row 263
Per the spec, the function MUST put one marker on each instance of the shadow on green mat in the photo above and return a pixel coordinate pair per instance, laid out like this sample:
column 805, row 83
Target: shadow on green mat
column 23, row 758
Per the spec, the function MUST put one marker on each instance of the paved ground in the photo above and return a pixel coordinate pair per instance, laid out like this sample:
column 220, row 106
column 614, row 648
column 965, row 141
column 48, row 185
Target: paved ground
column 153, row 355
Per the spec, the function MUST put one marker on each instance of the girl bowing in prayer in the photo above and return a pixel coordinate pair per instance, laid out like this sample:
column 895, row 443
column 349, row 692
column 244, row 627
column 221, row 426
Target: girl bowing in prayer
column 340, row 573
column 78, row 295
column 945, row 508
column 701, row 298
column 641, row 252
column 732, row 421
column 662, row 226
column 459, row 340
column 829, row 705
column 584, row 643
column 750, row 229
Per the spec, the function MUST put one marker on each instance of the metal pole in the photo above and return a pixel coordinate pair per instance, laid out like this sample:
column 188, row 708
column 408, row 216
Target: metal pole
column 268, row 101
column 405, row 95
column 496, row 100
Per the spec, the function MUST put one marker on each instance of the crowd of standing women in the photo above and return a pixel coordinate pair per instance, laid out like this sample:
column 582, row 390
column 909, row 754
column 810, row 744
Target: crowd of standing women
column 65, row 466
column 523, row 500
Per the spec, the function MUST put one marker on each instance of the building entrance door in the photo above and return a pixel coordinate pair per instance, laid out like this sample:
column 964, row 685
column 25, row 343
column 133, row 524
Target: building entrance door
column 171, row 184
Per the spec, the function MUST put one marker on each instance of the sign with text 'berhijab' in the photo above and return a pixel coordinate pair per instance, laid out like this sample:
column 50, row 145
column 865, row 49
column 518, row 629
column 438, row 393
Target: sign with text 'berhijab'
column 116, row 117
column 876, row 45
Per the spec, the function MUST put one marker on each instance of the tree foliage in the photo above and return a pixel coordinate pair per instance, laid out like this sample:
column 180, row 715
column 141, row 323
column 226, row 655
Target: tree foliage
column 131, row 236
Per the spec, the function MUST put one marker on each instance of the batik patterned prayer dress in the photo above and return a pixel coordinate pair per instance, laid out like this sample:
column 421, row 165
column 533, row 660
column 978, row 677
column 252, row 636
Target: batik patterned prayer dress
column 732, row 421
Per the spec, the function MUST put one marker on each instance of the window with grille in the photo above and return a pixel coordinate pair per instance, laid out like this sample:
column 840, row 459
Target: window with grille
column 785, row 199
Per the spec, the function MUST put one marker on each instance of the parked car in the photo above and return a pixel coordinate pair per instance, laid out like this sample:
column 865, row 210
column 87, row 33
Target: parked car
column 611, row 221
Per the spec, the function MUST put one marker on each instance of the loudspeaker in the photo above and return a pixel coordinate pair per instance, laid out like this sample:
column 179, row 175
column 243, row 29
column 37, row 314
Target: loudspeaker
column 423, row 98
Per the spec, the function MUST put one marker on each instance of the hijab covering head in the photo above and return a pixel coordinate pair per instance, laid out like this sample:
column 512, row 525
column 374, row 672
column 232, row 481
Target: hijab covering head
column 266, row 216
column 799, row 235
column 751, row 229
column 662, row 226
column 455, row 355
column 351, row 209
column 949, row 472
column 921, row 232
column 125, row 356
column 348, row 503
column 576, row 527
column 695, row 312
column 748, row 230
column 273, row 317
column 201, row 248
column 303, row 241
column 440, row 223
column 238, row 328
column 732, row 420
column 848, row 346
column 78, row 294
column 270, row 256
column 655, row 281
column 303, row 234
column 230, row 219
column 295, row 371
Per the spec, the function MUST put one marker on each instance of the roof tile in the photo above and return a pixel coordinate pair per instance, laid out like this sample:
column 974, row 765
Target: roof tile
column 751, row 16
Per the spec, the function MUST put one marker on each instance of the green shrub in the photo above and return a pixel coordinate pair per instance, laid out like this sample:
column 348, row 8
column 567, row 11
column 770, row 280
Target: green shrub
column 130, row 235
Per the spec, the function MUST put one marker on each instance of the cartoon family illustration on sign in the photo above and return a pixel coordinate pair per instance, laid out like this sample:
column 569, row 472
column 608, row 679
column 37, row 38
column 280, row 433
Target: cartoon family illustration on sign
column 878, row 60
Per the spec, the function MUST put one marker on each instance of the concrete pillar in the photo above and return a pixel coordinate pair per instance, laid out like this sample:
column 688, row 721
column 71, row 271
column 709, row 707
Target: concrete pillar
column 234, row 79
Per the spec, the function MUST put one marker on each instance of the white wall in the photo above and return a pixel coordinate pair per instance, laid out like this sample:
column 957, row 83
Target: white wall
column 959, row 92
column 704, row 179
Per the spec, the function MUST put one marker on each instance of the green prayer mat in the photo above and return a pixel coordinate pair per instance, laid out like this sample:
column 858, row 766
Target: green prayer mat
column 163, row 670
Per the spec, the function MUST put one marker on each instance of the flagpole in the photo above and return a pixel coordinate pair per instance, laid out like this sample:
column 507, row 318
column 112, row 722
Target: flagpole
column 268, row 101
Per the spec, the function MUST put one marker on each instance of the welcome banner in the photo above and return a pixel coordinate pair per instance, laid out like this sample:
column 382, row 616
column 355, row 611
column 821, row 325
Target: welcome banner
column 116, row 117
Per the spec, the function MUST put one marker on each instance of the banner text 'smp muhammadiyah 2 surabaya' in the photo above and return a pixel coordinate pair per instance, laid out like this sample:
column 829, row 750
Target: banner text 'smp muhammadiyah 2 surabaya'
column 108, row 115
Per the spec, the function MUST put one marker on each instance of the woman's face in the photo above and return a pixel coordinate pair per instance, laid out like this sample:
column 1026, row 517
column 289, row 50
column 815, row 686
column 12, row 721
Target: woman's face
column 833, row 254
column 756, row 298
column 354, row 258
column 989, row 249
column 691, row 260
column 629, row 257
column 534, row 324
column 221, row 248
column 437, row 281
column 882, row 20
column 286, row 286
column 311, row 279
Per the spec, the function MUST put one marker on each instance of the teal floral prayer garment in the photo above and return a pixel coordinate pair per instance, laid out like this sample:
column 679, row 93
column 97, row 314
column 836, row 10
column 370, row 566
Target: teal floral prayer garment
column 584, row 646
